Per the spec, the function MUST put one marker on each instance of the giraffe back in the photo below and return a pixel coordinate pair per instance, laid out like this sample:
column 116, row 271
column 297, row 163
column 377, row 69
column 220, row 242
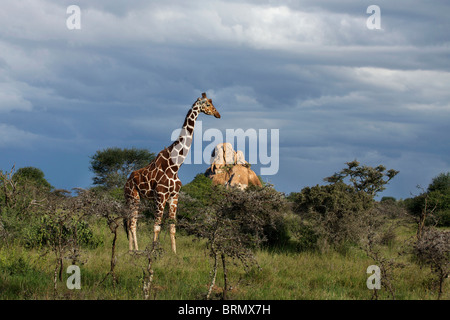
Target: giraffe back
column 160, row 177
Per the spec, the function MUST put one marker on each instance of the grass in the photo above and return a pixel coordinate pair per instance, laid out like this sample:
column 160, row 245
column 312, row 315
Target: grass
column 281, row 275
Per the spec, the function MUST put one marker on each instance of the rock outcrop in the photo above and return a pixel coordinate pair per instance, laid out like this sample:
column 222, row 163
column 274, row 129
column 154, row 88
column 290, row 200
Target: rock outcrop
column 229, row 168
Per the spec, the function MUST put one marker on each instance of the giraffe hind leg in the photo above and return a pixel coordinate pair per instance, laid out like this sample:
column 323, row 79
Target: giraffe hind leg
column 133, row 238
column 172, row 237
column 161, row 202
column 131, row 228
column 173, row 202
column 157, row 226
column 131, row 224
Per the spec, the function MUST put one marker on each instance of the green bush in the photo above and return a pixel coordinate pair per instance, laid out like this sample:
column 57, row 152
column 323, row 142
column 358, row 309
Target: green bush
column 443, row 218
column 302, row 236
column 437, row 201
column 15, row 266
column 342, row 211
column 200, row 198
column 200, row 188
column 48, row 230
column 336, row 210
column 197, row 196
column 32, row 175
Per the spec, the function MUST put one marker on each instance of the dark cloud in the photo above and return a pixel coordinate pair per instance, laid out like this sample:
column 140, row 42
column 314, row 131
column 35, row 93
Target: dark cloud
column 335, row 89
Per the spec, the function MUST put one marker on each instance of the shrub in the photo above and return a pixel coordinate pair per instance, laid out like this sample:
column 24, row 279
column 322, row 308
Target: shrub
column 197, row 196
column 47, row 229
column 443, row 218
column 433, row 248
column 391, row 209
column 340, row 211
column 17, row 198
column 336, row 210
column 32, row 175
column 432, row 205
column 201, row 189
column 302, row 236
column 236, row 223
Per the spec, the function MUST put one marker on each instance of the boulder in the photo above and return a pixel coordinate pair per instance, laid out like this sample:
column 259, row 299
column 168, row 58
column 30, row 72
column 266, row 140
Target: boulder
column 229, row 168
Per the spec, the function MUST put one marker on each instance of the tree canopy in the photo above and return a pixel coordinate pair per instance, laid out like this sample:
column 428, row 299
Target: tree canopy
column 364, row 178
column 440, row 183
column 32, row 174
column 112, row 166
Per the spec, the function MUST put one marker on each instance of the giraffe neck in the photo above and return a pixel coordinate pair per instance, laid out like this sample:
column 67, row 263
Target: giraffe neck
column 180, row 148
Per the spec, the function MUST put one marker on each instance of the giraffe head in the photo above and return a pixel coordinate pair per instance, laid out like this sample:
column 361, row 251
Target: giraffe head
column 206, row 106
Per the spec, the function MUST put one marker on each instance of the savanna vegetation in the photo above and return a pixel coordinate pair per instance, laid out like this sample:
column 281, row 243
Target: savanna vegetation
column 253, row 244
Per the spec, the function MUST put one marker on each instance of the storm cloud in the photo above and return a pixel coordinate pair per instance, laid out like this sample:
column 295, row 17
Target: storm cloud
column 336, row 90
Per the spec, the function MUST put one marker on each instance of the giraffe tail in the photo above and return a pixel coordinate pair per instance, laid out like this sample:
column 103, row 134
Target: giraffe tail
column 125, row 226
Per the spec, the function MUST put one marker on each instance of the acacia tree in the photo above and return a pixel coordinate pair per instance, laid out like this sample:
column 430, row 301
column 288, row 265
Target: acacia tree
column 112, row 166
column 364, row 178
column 61, row 229
column 235, row 225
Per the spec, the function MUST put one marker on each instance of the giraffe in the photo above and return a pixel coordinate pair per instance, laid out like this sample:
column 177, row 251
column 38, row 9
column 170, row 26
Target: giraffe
column 159, row 179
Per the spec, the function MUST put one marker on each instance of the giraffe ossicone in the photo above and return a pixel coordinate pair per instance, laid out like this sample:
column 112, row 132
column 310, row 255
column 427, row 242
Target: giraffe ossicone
column 159, row 179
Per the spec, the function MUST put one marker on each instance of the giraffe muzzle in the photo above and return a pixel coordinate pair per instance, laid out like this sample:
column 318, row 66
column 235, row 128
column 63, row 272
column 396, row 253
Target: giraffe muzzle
column 217, row 114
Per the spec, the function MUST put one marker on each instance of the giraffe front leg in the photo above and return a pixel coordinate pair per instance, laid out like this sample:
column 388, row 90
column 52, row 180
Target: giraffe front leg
column 172, row 237
column 173, row 202
column 158, row 218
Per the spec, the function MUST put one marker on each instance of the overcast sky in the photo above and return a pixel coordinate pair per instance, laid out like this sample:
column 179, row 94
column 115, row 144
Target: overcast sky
column 335, row 89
